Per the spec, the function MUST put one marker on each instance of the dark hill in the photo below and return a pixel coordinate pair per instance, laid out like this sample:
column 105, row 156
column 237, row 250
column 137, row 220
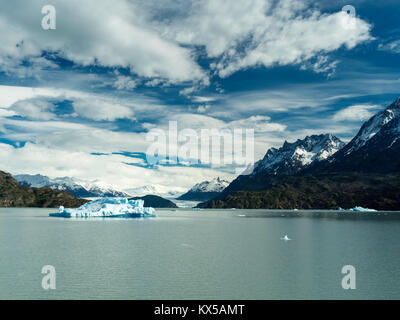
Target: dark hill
column 156, row 202
column 375, row 191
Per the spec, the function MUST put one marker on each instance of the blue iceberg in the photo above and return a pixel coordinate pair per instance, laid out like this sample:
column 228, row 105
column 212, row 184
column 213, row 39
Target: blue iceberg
column 361, row 209
column 109, row 208
column 358, row 209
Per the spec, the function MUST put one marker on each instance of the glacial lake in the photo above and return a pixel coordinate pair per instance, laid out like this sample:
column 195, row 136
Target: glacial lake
column 206, row 254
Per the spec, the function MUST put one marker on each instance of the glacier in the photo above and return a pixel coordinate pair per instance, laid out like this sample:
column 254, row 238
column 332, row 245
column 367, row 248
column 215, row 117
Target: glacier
column 109, row 208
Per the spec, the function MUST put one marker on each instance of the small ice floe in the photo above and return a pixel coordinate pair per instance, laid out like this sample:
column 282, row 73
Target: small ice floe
column 286, row 238
column 186, row 245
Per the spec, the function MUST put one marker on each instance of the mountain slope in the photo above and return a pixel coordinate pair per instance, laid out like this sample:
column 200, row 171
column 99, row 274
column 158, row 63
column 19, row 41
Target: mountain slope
column 290, row 159
column 375, row 148
column 377, row 191
column 80, row 189
column 12, row 194
column 293, row 157
column 205, row 190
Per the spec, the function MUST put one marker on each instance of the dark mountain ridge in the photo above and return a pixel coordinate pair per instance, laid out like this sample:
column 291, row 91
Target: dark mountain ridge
column 375, row 148
column 290, row 159
column 365, row 172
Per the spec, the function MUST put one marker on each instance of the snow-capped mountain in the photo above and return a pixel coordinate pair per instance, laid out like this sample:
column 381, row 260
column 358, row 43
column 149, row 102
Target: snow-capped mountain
column 165, row 192
column 385, row 121
column 293, row 157
column 215, row 185
column 101, row 190
column 205, row 190
column 142, row 191
column 375, row 148
column 290, row 159
column 78, row 188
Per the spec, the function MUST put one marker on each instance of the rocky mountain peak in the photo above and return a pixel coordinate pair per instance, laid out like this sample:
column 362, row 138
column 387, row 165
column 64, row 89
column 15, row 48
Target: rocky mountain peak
column 292, row 157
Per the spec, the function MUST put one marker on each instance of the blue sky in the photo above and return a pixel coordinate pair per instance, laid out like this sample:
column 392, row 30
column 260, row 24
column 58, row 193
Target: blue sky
column 79, row 100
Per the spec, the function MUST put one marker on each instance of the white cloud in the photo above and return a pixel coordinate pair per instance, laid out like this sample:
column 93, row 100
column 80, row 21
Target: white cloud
column 393, row 46
column 94, row 33
column 92, row 106
column 260, row 124
column 100, row 109
column 74, row 137
column 11, row 94
column 322, row 64
column 203, row 108
column 196, row 121
column 135, row 35
column 265, row 32
column 199, row 99
column 124, row 82
column 36, row 109
column 356, row 113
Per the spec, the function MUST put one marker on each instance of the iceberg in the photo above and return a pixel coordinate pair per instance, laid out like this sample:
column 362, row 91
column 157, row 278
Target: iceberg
column 358, row 209
column 109, row 208
column 361, row 209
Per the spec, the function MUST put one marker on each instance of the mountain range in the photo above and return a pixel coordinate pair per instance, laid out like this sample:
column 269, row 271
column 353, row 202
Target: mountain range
column 78, row 188
column 205, row 190
column 12, row 194
column 51, row 193
column 321, row 172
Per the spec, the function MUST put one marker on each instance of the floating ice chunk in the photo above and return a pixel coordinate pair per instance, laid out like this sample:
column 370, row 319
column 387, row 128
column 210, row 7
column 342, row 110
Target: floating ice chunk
column 361, row 209
column 108, row 207
column 358, row 209
column 286, row 238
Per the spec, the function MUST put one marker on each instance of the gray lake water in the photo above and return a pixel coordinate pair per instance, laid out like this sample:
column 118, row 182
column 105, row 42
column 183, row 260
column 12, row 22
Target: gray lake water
column 207, row 254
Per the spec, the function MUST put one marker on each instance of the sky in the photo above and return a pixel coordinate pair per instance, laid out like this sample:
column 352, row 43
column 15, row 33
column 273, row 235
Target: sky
column 80, row 100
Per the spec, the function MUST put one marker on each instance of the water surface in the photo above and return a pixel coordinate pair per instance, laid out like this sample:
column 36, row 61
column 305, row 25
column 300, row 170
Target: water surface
column 207, row 254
